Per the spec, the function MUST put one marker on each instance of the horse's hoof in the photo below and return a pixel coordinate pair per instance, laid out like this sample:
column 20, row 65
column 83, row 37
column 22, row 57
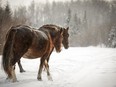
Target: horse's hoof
column 15, row 81
column 22, row 71
column 39, row 79
column 8, row 79
column 11, row 80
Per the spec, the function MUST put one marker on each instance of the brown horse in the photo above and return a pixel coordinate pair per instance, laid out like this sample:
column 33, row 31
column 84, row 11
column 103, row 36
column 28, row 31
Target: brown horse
column 23, row 41
column 51, row 27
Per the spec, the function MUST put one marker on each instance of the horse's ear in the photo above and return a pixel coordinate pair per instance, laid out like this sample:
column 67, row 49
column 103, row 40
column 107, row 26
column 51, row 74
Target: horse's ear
column 61, row 31
column 67, row 28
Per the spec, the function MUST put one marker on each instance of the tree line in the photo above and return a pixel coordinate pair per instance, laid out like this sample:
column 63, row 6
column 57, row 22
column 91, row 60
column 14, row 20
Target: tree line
column 90, row 21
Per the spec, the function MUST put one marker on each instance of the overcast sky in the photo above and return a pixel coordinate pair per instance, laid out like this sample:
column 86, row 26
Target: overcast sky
column 27, row 2
column 16, row 3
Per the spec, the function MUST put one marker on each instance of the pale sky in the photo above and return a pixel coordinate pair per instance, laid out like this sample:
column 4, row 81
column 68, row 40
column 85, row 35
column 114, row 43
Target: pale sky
column 27, row 2
column 16, row 3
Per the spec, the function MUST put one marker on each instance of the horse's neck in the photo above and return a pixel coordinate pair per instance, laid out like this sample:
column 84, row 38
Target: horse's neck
column 49, row 32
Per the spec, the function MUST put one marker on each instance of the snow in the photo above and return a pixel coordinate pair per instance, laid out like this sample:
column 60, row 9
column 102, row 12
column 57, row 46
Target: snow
column 75, row 67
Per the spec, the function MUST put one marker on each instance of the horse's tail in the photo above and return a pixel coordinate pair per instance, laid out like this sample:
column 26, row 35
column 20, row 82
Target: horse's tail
column 7, row 57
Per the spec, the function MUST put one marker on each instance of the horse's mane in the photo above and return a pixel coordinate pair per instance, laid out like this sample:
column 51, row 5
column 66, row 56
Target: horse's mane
column 52, row 27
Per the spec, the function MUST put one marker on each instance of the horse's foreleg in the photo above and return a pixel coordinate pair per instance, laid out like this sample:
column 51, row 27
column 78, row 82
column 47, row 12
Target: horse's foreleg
column 50, row 54
column 20, row 67
column 49, row 57
column 48, row 72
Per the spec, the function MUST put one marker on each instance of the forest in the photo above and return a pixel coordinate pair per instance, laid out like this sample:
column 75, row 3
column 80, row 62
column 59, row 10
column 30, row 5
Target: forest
column 91, row 22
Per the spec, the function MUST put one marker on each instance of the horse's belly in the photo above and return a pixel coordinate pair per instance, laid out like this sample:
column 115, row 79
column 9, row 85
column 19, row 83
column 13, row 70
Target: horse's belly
column 38, row 48
column 32, row 54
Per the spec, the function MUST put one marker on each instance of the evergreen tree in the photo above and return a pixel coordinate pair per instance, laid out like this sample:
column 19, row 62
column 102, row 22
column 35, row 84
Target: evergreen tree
column 1, row 19
column 6, row 22
column 68, row 19
column 20, row 16
column 31, row 13
column 113, row 13
column 112, row 38
column 7, row 13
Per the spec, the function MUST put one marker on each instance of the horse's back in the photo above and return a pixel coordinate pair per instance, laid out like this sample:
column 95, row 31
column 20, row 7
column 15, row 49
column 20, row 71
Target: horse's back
column 22, row 41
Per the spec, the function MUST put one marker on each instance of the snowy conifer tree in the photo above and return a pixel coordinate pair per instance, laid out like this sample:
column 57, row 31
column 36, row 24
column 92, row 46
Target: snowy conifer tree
column 112, row 38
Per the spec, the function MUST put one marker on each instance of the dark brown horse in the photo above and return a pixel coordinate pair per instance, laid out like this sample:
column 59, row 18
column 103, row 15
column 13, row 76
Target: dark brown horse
column 51, row 27
column 23, row 41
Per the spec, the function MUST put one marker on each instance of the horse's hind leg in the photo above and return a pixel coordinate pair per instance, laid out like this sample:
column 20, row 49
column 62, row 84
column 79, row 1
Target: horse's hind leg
column 42, row 61
column 13, row 74
column 20, row 67
column 40, row 68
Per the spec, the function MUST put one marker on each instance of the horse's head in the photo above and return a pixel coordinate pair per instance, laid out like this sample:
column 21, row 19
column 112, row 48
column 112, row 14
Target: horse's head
column 58, row 40
column 58, row 34
column 65, row 40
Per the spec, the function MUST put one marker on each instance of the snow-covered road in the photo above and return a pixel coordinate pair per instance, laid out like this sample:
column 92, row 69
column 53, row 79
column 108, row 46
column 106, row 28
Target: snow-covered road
column 75, row 67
